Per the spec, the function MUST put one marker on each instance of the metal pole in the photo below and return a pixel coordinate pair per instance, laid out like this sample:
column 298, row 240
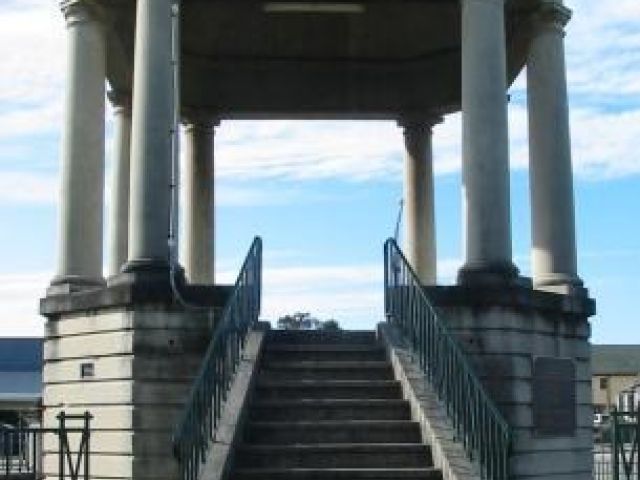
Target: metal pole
column 614, row 443
column 61, row 432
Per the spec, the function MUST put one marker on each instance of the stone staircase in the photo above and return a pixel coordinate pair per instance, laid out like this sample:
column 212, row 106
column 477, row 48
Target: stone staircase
column 327, row 406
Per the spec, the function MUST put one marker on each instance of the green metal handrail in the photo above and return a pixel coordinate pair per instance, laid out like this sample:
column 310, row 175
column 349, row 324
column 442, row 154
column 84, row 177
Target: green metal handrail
column 202, row 411
column 479, row 425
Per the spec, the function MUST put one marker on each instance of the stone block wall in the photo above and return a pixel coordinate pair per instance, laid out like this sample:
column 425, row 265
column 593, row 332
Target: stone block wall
column 139, row 365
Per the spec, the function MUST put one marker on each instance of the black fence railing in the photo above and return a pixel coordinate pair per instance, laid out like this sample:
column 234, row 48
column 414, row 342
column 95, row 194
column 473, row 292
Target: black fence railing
column 479, row 425
column 616, row 455
column 21, row 449
column 202, row 412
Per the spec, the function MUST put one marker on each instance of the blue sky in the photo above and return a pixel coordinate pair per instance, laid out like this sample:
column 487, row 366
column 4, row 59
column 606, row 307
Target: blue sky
column 324, row 195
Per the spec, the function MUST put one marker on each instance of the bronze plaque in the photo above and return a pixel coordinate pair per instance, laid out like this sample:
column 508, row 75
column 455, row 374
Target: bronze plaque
column 554, row 397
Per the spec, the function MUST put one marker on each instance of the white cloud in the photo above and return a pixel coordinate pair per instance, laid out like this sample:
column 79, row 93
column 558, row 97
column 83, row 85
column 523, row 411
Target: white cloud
column 19, row 294
column 27, row 188
column 352, row 294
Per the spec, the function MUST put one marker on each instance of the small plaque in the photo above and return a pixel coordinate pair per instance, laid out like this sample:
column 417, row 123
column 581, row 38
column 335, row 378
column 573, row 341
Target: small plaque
column 554, row 397
column 87, row 370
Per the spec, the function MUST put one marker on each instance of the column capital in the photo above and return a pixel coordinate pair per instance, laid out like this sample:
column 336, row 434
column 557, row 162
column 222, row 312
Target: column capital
column 120, row 99
column 193, row 119
column 496, row 2
column 419, row 124
column 78, row 11
column 551, row 15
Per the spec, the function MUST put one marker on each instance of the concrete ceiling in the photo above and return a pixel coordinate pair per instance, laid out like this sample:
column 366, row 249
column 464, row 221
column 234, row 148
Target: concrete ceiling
column 377, row 59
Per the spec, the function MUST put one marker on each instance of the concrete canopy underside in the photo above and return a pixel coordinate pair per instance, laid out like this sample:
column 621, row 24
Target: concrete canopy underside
column 368, row 59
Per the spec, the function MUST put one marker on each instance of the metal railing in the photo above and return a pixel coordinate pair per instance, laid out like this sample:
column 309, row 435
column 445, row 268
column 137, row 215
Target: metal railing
column 21, row 450
column 616, row 452
column 202, row 411
column 478, row 424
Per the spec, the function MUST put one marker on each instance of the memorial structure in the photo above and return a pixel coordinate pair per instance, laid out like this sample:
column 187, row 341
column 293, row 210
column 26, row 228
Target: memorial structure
column 120, row 343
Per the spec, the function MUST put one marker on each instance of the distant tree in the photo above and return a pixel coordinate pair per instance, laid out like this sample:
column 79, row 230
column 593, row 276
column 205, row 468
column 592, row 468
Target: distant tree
column 299, row 321
column 331, row 325
column 304, row 321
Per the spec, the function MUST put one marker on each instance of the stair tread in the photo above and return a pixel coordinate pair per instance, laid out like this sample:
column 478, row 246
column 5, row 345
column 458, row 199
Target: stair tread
column 313, row 364
column 266, row 470
column 338, row 402
column 323, row 347
column 326, row 383
column 332, row 423
column 336, row 447
column 342, row 415
column 341, row 473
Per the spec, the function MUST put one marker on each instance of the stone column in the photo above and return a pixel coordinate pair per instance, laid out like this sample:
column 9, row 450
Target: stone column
column 199, row 224
column 485, row 170
column 81, row 200
column 119, row 222
column 151, row 147
column 420, row 229
column 552, row 210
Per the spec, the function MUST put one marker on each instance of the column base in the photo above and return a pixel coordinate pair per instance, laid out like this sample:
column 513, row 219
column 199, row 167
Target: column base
column 560, row 283
column 67, row 284
column 496, row 274
column 143, row 272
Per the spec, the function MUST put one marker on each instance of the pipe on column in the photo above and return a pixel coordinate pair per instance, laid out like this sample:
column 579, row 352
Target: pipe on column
column 151, row 139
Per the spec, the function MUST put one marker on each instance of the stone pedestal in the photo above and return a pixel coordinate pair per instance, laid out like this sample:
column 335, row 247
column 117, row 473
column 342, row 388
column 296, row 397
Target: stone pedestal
column 509, row 334
column 128, row 354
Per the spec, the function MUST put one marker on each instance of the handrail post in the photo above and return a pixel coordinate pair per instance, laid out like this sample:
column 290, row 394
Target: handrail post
column 87, row 437
column 61, row 431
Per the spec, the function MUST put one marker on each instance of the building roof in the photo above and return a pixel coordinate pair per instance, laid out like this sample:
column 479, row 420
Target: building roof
column 20, row 369
column 615, row 359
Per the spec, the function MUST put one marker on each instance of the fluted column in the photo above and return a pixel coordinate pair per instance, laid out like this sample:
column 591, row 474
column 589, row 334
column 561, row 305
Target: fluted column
column 199, row 226
column 420, row 230
column 485, row 170
column 552, row 208
column 151, row 146
column 81, row 201
column 119, row 222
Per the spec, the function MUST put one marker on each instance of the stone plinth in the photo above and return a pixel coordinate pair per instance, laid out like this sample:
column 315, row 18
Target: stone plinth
column 504, row 331
column 128, row 356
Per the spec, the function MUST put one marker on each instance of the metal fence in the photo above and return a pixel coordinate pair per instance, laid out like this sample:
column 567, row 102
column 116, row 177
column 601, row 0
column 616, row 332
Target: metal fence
column 21, row 449
column 615, row 453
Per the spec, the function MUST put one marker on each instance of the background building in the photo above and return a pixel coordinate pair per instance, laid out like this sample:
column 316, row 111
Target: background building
column 615, row 369
column 20, row 379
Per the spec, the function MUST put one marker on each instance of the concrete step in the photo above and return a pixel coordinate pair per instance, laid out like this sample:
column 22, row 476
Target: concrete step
column 361, row 431
column 382, row 455
column 309, row 370
column 338, row 474
column 335, row 409
column 321, row 337
column 329, row 389
column 287, row 352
